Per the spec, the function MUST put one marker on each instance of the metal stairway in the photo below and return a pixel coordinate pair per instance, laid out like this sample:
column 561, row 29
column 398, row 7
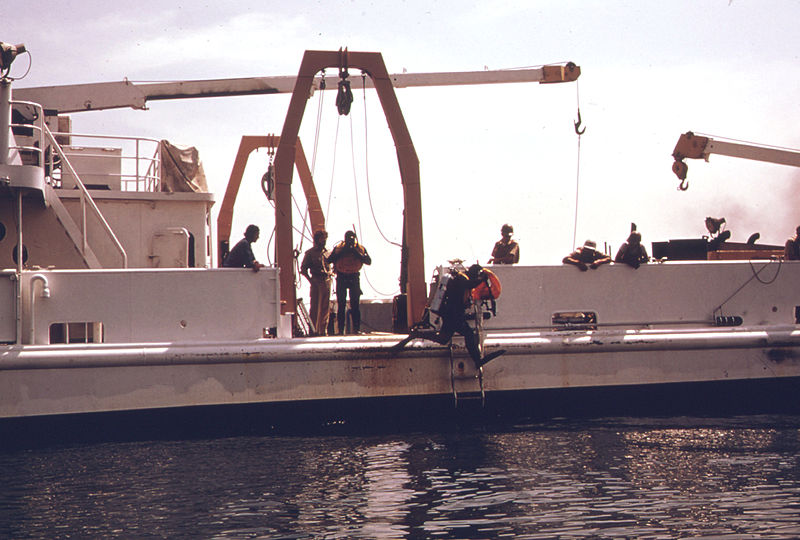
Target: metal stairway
column 71, row 228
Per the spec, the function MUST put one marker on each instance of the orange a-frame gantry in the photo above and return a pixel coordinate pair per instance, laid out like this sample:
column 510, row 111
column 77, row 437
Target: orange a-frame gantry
column 372, row 64
column 246, row 147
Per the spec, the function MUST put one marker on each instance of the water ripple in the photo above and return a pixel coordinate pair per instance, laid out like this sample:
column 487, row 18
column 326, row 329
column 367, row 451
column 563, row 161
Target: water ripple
column 656, row 478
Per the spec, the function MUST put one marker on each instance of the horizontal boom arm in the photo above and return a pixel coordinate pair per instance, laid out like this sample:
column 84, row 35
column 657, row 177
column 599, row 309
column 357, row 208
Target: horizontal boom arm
column 114, row 95
column 696, row 147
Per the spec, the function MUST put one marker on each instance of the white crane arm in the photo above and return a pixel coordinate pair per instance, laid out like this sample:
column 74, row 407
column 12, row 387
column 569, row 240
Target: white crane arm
column 113, row 95
column 697, row 147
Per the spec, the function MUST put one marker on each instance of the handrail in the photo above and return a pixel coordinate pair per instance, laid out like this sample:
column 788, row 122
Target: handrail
column 86, row 197
column 155, row 161
column 37, row 126
column 150, row 179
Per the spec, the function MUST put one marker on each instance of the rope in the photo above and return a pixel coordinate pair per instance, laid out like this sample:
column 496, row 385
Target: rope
column 295, row 229
column 302, row 231
column 578, row 170
column 355, row 177
column 371, row 286
column 366, row 166
column 333, row 168
column 319, row 122
column 754, row 276
column 355, row 186
column 314, row 153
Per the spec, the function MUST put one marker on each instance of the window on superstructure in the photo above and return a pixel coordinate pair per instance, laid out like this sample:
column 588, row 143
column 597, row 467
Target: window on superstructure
column 76, row 332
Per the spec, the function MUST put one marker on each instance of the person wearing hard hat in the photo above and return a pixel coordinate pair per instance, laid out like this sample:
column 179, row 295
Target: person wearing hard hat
column 587, row 257
column 506, row 250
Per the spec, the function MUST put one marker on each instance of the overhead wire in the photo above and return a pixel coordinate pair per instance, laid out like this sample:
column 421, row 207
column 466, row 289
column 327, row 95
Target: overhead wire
column 355, row 182
column 333, row 169
column 317, row 126
column 355, row 176
column 755, row 276
column 578, row 168
column 366, row 170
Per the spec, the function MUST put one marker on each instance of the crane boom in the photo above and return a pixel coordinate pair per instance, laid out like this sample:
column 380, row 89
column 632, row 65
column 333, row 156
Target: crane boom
column 696, row 147
column 121, row 94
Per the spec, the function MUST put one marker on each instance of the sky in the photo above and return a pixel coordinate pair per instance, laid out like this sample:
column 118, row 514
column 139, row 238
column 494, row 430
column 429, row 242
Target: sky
column 490, row 154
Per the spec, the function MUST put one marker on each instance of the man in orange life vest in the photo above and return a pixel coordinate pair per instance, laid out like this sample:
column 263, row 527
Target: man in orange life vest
column 348, row 257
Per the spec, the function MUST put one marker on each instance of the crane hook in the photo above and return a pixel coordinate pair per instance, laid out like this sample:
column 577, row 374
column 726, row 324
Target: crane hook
column 681, row 169
column 578, row 124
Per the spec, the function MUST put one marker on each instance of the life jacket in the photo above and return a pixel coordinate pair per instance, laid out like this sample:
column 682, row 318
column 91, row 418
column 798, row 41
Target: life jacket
column 488, row 289
column 348, row 262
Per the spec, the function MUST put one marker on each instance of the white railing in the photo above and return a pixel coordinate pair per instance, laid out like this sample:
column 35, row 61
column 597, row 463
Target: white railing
column 86, row 200
column 140, row 158
column 37, row 127
column 45, row 148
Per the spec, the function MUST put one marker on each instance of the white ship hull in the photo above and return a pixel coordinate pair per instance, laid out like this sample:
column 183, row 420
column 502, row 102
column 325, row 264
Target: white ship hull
column 671, row 345
column 63, row 380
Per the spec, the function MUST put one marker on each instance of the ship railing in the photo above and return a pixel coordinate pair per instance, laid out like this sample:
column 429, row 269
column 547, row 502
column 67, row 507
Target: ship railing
column 85, row 200
column 140, row 158
column 30, row 154
column 42, row 151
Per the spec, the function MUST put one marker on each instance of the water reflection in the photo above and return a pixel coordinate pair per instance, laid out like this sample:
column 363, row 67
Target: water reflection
column 610, row 479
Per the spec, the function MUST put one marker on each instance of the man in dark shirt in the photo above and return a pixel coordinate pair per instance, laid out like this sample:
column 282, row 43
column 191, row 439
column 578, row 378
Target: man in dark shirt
column 632, row 252
column 241, row 256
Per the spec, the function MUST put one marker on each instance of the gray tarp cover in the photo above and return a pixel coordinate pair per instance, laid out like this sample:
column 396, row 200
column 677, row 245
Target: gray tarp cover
column 181, row 169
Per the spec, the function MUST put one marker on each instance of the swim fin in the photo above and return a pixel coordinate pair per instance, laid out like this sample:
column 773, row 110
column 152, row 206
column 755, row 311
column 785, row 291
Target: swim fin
column 489, row 357
column 402, row 343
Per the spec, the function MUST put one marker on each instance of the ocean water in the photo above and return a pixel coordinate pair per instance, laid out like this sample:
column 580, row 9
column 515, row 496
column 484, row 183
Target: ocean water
column 675, row 477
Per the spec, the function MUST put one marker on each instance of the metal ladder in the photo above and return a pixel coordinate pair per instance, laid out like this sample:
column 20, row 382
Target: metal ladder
column 466, row 381
column 304, row 322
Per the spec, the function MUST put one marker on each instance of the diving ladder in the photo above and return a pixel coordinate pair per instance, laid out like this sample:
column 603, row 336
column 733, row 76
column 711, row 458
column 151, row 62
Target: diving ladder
column 466, row 381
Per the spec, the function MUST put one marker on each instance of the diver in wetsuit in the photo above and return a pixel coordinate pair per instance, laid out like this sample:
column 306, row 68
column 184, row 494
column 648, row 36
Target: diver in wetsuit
column 453, row 311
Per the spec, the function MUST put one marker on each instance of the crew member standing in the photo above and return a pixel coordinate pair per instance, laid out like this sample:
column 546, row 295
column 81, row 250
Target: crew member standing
column 347, row 258
column 317, row 270
column 506, row 250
